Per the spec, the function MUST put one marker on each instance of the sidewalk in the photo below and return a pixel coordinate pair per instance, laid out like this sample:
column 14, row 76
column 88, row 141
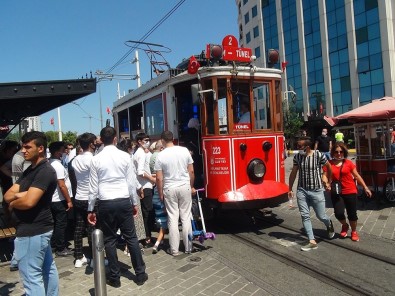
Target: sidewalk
column 197, row 274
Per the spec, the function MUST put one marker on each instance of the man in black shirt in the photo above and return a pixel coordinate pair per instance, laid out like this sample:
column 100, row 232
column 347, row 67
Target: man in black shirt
column 323, row 143
column 30, row 200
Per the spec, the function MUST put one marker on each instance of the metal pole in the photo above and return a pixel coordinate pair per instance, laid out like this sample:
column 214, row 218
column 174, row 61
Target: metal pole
column 98, row 263
column 60, row 125
column 100, row 106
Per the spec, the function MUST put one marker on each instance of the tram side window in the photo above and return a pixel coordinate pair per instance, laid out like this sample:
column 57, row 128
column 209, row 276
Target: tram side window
column 154, row 116
column 262, row 106
column 135, row 115
column 222, row 107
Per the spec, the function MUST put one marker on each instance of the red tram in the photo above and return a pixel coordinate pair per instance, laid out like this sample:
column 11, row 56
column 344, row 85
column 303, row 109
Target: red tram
column 240, row 139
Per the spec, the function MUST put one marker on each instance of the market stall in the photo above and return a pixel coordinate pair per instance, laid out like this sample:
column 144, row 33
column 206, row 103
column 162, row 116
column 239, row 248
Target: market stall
column 375, row 153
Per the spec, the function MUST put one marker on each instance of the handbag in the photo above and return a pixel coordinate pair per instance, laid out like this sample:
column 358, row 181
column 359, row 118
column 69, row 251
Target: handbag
column 336, row 186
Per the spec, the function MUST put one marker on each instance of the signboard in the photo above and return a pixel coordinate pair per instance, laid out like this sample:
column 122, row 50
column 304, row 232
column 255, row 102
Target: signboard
column 218, row 165
column 230, row 40
column 242, row 126
column 241, row 54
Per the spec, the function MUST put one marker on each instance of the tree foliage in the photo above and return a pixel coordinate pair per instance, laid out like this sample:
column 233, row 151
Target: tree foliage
column 52, row 136
column 292, row 126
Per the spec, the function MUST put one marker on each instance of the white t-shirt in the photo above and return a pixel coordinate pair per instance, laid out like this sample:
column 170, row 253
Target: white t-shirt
column 81, row 165
column 173, row 162
column 141, row 164
column 245, row 118
column 61, row 174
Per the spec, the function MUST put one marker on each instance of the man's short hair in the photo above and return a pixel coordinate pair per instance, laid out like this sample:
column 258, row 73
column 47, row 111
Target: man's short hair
column 39, row 139
column 86, row 139
column 56, row 146
column 307, row 141
column 167, row 136
column 107, row 135
column 141, row 136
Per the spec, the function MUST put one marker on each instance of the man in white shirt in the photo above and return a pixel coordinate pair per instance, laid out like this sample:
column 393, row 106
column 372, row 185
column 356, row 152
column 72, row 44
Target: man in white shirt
column 141, row 163
column 245, row 113
column 112, row 181
column 81, row 167
column 61, row 200
column 175, row 178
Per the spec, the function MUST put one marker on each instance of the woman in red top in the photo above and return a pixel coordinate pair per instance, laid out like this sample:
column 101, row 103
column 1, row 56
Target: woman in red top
column 345, row 172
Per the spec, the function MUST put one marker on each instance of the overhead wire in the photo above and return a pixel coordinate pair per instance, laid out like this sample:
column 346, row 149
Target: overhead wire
column 146, row 35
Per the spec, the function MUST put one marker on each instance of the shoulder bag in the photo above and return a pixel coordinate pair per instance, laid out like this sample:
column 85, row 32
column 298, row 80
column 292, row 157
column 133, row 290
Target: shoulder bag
column 336, row 186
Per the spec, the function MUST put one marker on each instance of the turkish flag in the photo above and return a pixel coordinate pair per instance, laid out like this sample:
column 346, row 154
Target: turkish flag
column 284, row 65
column 193, row 65
column 52, row 121
column 108, row 110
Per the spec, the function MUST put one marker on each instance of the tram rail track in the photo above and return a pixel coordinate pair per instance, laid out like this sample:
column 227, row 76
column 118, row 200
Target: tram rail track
column 298, row 264
column 337, row 243
column 332, row 275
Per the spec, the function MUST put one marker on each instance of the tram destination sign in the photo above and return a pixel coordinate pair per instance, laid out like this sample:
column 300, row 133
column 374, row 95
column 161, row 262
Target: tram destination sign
column 240, row 54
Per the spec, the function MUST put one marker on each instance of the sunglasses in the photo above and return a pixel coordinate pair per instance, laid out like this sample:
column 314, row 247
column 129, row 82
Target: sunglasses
column 339, row 152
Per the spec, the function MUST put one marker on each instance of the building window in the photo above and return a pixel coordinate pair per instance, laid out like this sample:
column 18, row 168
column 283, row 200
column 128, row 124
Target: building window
column 246, row 18
column 256, row 32
column 257, row 52
column 254, row 11
column 245, row 2
column 248, row 37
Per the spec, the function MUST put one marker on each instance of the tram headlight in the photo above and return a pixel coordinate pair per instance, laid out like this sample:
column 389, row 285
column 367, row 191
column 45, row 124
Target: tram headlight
column 256, row 169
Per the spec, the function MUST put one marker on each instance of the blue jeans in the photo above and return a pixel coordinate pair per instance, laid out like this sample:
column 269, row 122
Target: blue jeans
column 315, row 199
column 36, row 265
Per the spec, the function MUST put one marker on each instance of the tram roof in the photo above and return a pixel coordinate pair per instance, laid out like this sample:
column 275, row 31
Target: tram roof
column 19, row 100
column 178, row 75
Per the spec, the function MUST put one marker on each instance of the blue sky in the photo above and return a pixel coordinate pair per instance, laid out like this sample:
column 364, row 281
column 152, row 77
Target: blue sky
column 56, row 40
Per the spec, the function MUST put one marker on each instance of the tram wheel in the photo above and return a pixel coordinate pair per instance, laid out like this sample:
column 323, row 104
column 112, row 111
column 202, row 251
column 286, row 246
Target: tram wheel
column 389, row 191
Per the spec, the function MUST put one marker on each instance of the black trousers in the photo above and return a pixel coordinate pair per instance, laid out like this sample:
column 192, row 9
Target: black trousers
column 59, row 215
column 345, row 201
column 147, row 210
column 81, row 225
column 113, row 215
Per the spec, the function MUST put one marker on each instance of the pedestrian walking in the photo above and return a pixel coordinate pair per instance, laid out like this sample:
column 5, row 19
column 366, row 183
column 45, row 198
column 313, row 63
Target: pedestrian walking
column 323, row 143
column 112, row 182
column 80, row 165
column 141, row 163
column 310, row 190
column 61, row 200
column 344, row 190
column 175, row 178
column 30, row 199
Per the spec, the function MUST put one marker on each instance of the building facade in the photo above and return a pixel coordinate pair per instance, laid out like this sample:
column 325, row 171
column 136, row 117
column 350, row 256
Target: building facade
column 336, row 55
column 34, row 123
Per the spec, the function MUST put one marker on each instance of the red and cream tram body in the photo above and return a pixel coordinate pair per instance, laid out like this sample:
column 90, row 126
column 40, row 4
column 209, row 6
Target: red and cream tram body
column 240, row 138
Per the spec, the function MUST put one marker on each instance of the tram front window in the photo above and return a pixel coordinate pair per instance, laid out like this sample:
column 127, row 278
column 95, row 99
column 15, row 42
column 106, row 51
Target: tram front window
column 262, row 106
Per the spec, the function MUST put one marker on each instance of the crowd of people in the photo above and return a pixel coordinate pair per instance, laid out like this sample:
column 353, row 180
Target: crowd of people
column 121, row 187
column 131, row 189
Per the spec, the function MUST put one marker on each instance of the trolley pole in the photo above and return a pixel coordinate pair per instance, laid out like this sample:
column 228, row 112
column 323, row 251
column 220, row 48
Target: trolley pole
column 98, row 261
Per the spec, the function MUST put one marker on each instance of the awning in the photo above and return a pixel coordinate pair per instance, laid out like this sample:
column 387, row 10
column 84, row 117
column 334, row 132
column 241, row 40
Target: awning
column 379, row 109
column 19, row 100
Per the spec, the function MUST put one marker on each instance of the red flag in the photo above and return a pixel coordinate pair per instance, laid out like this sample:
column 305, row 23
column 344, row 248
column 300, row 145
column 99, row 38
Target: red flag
column 284, row 65
column 193, row 65
column 321, row 108
column 108, row 110
column 52, row 121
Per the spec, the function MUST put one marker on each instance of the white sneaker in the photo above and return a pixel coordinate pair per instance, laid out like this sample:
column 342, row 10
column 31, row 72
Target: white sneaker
column 80, row 262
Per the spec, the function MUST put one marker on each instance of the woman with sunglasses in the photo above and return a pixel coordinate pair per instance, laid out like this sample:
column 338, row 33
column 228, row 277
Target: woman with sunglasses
column 345, row 197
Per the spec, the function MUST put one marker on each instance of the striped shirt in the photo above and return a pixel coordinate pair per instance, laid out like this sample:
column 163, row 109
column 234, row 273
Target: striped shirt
column 310, row 170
